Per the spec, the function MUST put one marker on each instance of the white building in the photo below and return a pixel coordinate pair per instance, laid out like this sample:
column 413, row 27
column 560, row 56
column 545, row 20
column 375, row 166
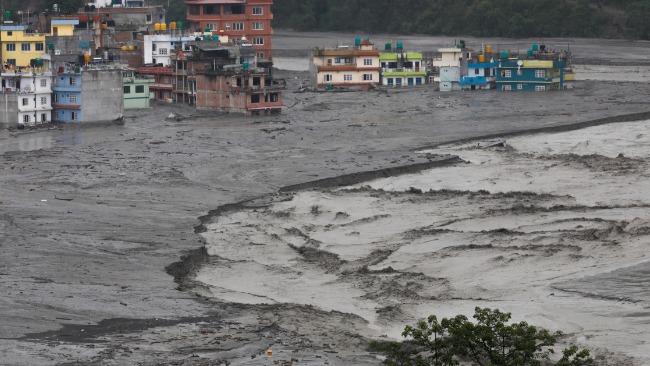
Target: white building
column 26, row 97
column 158, row 47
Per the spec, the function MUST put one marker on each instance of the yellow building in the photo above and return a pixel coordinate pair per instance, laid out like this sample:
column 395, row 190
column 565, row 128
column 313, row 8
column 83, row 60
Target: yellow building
column 63, row 27
column 19, row 46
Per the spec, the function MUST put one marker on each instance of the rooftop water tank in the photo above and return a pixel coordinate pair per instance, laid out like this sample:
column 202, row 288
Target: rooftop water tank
column 535, row 47
column 400, row 45
column 504, row 54
column 163, row 26
column 156, row 27
column 172, row 25
column 357, row 41
column 388, row 46
column 179, row 25
column 488, row 49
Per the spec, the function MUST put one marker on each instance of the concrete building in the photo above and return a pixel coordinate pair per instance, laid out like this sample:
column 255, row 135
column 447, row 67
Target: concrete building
column 136, row 90
column 346, row 66
column 158, row 48
column 26, row 97
column 20, row 45
column 161, row 81
column 400, row 68
column 227, row 79
column 237, row 19
column 530, row 75
column 88, row 94
column 480, row 75
column 448, row 66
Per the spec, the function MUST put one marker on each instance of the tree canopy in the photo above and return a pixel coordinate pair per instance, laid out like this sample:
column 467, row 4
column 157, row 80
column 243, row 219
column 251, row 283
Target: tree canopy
column 488, row 341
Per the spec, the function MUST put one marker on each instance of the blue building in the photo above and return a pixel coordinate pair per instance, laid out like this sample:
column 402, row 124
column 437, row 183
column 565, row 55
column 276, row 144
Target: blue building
column 530, row 75
column 481, row 75
column 66, row 97
column 88, row 94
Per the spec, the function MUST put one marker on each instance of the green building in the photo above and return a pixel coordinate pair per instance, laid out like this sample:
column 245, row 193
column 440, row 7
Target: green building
column 136, row 90
column 402, row 68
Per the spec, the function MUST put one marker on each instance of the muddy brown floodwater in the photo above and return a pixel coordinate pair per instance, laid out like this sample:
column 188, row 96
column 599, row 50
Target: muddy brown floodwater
column 176, row 241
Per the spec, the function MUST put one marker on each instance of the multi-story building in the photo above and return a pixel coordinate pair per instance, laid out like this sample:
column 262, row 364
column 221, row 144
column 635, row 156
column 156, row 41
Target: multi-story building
column 158, row 48
column 20, row 45
column 346, row 66
column 530, row 75
column 136, row 90
column 237, row 19
column 90, row 94
column 400, row 68
column 480, row 75
column 161, row 83
column 26, row 97
column 227, row 79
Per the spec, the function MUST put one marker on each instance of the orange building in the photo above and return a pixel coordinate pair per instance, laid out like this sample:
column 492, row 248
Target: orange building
column 238, row 19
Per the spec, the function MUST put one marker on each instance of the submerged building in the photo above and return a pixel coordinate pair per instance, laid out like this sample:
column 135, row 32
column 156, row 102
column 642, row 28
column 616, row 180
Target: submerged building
column 88, row 94
column 26, row 97
column 226, row 78
column 400, row 68
column 346, row 66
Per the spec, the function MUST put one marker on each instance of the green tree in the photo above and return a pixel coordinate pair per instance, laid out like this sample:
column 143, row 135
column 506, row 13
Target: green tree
column 488, row 341
column 638, row 20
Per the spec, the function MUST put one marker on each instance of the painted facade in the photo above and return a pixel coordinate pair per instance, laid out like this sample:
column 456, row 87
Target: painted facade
column 530, row 75
column 346, row 66
column 402, row 69
column 236, row 19
column 136, row 90
column 20, row 45
column 85, row 95
column 481, row 75
column 26, row 97
column 158, row 48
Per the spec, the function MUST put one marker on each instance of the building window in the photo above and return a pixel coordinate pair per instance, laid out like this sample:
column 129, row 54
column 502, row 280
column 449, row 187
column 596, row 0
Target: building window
column 390, row 81
column 44, row 83
column 11, row 46
column 258, row 26
column 43, row 100
column 227, row 26
column 540, row 73
column 43, row 117
column 39, row 47
column 540, row 88
column 520, row 86
column 258, row 10
column 258, row 40
column 73, row 98
column 507, row 87
column 162, row 51
column 153, row 47
column 367, row 77
column 26, row 46
column 11, row 61
column 347, row 77
column 507, row 73
column 238, row 26
column 367, row 62
column 139, row 89
column 212, row 26
column 26, row 118
column 55, row 98
column 25, row 101
column 418, row 81
column 73, row 81
column 274, row 97
column 260, row 55
column 73, row 116
column 255, row 98
column 10, row 33
column 127, row 89
column 148, row 18
column 328, row 78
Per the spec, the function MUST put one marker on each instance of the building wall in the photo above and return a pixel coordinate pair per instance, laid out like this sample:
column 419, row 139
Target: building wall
column 67, row 98
column 253, row 25
column 8, row 109
column 136, row 93
column 17, row 37
column 355, row 77
column 450, row 74
column 220, row 92
column 103, row 95
column 403, row 79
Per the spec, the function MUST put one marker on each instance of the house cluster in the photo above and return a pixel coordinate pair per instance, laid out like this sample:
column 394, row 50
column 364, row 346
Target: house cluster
column 114, row 55
column 119, row 54
column 364, row 66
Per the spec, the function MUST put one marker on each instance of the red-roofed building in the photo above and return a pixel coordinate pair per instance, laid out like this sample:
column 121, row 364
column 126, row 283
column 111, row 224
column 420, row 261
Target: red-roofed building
column 238, row 19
